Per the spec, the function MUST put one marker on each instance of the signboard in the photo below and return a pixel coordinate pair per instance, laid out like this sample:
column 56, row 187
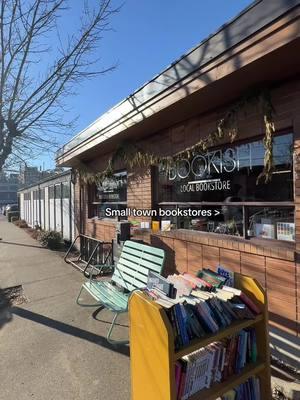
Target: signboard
column 229, row 275
column 113, row 190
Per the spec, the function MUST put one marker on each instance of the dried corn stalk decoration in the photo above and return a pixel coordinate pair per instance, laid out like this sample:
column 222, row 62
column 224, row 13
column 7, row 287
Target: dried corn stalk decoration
column 133, row 157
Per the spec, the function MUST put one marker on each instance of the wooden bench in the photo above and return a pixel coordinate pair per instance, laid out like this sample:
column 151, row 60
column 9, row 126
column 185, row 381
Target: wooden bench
column 130, row 274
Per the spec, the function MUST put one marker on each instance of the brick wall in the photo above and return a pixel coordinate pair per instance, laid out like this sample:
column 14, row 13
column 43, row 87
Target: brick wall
column 103, row 230
column 139, row 192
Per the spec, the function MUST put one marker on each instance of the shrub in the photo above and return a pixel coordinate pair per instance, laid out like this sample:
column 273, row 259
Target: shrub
column 14, row 219
column 51, row 239
column 34, row 233
column 21, row 223
column 11, row 214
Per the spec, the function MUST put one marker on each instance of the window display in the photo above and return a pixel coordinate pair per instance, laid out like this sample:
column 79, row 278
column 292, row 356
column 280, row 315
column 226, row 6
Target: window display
column 111, row 193
column 225, row 181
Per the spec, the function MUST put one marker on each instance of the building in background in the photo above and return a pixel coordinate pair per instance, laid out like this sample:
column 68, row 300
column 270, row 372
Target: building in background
column 30, row 175
column 9, row 185
column 49, row 204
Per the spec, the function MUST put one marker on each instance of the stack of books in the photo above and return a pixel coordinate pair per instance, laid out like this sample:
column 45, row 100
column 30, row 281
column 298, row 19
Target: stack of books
column 214, row 363
column 197, row 306
column 249, row 390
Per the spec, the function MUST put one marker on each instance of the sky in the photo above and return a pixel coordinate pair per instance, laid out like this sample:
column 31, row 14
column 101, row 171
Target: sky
column 146, row 36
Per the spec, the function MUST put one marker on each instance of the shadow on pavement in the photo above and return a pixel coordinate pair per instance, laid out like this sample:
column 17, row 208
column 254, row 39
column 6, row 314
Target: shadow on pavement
column 69, row 329
column 95, row 314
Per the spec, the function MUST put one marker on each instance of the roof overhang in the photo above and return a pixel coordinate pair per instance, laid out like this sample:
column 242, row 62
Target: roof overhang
column 265, row 36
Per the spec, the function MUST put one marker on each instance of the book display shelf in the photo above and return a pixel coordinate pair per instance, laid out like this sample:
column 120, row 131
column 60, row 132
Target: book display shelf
column 153, row 356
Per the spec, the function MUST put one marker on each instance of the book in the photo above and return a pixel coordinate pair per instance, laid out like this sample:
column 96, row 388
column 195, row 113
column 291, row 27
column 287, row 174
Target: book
column 178, row 368
column 246, row 299
column 157, row 281
column 211, row 277
column 181, row 285
column 181, row 325
column 200, row 283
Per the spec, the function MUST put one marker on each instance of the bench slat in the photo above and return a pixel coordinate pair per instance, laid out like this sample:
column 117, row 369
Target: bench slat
column 144, row 248
column 120, row 282
column 127, row 279
column 147, row 261
column 109, row 297
column 132, row 269
column 112, row 290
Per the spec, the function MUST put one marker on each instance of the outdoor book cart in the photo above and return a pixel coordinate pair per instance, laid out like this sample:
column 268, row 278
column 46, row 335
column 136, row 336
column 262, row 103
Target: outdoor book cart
column 153, row 356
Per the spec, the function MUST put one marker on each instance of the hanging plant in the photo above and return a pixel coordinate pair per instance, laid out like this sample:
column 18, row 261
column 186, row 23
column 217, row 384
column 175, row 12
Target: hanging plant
column 134, row 157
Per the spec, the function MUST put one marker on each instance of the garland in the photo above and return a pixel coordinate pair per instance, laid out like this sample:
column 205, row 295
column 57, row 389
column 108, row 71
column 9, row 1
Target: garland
column 134, row 157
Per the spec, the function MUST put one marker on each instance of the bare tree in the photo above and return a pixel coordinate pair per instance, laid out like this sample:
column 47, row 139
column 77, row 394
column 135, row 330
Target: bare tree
column 33, row 89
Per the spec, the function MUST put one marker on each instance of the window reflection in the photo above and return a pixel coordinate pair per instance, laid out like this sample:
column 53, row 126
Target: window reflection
column 240, row 166
column 225, row 180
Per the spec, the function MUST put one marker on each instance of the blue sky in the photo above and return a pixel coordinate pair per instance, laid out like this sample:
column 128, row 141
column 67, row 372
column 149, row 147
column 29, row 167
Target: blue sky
column 147, row 36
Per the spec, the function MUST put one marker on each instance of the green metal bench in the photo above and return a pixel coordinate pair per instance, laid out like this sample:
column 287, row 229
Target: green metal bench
column 131, row 273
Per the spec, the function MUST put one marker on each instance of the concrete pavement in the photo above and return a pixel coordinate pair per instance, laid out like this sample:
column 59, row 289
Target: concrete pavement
column 50, row 348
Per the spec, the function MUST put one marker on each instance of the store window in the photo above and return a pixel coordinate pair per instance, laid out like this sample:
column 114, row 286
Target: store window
column 111, row 193
column 223, row 184
column 58, row 191
column 51, row 192
column 66, row 190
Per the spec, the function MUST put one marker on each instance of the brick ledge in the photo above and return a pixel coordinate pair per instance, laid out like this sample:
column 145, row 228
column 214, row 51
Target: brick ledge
column 282, row 251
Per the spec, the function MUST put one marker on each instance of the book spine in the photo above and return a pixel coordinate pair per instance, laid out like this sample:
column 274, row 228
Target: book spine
column 253, row 307
column 177, row 375
column 182, row 380
column 185, row 393
column 180, row 339
column 181, row 324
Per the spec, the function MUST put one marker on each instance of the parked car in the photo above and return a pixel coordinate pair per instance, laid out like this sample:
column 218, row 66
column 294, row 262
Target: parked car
column 11, row 207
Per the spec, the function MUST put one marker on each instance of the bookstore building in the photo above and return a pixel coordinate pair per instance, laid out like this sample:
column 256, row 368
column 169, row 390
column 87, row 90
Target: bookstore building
column 204, row 160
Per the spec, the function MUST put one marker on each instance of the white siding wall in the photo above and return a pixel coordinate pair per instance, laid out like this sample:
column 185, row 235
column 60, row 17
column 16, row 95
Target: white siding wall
column 42, row 207
column 36, row 208
column 50, row 206
column 22, row 211
column 58, row 210
column 46, row 208
column 31, row 210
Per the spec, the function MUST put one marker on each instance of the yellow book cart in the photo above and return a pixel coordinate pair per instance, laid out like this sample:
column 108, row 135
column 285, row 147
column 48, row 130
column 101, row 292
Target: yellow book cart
column 153, row 355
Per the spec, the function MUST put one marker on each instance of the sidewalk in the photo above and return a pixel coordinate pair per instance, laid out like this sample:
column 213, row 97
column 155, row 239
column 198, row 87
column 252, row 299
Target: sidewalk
column 50, row 347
